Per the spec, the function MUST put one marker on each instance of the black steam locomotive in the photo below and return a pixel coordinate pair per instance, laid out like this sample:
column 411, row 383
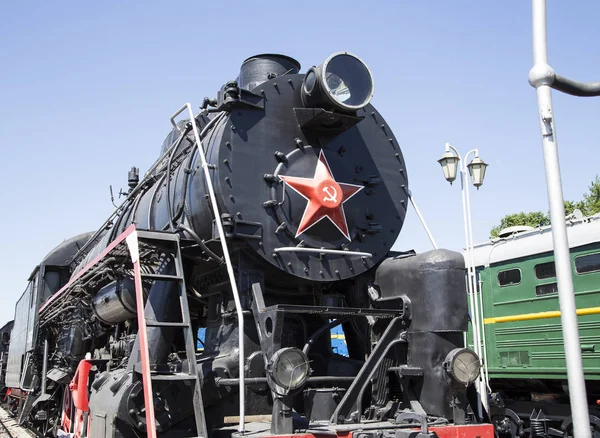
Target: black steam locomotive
column 267, row 220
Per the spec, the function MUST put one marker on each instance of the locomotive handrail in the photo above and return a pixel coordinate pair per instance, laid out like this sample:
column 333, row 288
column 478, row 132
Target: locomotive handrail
column 230, row 272
column 323, row 251
column 176, row 113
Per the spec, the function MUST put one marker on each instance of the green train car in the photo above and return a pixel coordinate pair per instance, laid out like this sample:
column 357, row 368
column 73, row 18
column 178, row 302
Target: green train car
column 524, row 351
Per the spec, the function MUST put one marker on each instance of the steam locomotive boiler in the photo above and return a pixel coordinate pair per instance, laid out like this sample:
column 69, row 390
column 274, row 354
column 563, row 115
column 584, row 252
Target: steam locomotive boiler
column 267, row 220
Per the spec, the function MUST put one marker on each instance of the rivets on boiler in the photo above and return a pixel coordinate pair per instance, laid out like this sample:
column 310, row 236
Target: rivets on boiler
column 280, row 156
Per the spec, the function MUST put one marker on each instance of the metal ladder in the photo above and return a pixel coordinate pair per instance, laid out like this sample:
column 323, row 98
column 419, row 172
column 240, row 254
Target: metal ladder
column 168, row 243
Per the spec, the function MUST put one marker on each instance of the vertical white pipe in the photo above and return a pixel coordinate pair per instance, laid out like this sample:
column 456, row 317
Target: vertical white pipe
column 484, row 346
column 463, row 182
column 228, row 264
column 477, row 326
column 44, row 367
column 540, row 76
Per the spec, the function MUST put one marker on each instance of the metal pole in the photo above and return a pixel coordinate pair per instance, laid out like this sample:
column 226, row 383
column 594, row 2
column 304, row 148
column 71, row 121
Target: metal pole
column 482, row 390
column 471, row 278
column 478, row 326
column 541, row 76
column 412, row 201
column 468, row 263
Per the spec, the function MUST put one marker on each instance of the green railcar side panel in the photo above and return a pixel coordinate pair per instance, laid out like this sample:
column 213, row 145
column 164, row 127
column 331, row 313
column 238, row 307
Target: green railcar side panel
column 534, row 348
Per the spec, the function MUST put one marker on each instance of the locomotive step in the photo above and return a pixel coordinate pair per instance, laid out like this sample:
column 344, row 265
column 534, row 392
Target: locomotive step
column 162, row 277
column 296, row 308
column 176, row 376
column 166, row 324
column 157, row 236
column 408, row 371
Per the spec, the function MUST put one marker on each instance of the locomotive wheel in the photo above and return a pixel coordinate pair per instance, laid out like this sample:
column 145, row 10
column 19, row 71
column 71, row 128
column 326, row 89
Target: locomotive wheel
column 567, row 427
column 508, row 425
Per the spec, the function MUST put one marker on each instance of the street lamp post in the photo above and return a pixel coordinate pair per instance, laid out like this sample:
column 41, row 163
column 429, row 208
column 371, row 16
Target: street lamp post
column 452, row 164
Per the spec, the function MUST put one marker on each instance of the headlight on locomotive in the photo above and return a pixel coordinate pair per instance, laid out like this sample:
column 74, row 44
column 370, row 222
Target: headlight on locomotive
column 343, row 81
column 288, row 369
column 462, row 365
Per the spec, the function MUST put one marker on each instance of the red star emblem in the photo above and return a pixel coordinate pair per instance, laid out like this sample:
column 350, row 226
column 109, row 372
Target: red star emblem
column 325, row 197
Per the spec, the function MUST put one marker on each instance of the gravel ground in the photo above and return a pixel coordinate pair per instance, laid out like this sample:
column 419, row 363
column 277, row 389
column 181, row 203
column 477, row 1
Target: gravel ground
column 10, row 429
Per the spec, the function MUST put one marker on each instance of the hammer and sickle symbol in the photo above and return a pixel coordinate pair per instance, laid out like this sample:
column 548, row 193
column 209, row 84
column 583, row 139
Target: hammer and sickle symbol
column 330, row 196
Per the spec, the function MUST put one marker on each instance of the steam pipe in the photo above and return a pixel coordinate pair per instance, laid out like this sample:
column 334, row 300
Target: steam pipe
column 201, row 243
column 263, row 380
column 44, row 367
column 168, row 188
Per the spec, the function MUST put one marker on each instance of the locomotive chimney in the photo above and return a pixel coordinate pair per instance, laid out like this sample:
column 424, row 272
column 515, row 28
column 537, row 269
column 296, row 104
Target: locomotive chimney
column 260, row 68
column 133, row 178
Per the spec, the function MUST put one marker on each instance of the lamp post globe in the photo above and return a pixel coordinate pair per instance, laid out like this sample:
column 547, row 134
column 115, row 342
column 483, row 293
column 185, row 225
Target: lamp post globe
column 477, row 171
column 449, row 163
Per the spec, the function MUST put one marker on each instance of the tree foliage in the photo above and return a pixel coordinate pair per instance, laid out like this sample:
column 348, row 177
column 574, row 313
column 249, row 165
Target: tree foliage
column 589, row 205
column 592, row 197
column 533, row 219
column 571, row 206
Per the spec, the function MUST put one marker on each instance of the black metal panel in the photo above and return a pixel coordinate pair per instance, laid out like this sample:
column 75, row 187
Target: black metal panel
column 18, row 342
column 435, row 284
column 428, row 351
column 320, row 403
column 258, row 143
column 349, row 406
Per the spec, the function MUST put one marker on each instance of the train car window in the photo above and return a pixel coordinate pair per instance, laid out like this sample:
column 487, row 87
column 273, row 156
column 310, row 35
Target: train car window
column 587, row 263
column 545, row 270
column 546, row 289
column 51, row 284
column 33, row 284
column 27, row 379
column 509, row 277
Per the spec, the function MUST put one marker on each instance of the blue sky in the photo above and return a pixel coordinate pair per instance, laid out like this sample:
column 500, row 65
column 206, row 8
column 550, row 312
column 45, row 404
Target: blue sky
column 87, row 88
